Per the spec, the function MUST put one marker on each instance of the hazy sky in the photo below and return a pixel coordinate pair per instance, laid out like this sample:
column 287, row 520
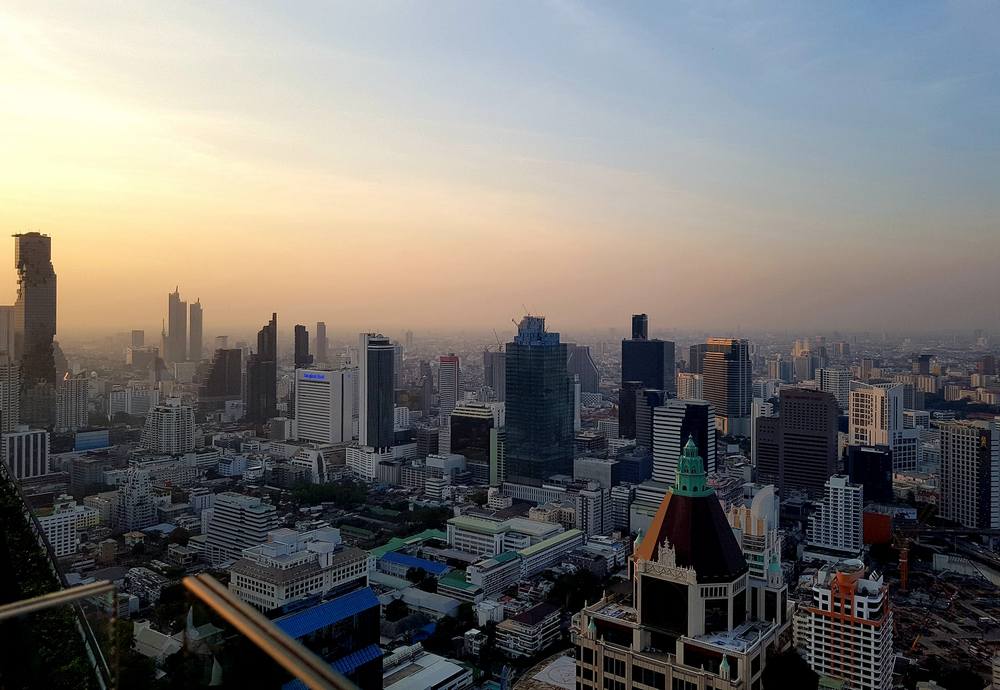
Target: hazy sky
column 384, row 165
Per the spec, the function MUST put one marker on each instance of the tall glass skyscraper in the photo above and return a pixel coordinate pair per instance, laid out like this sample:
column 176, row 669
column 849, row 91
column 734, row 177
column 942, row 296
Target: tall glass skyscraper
column 177, row 318
column 728, row 382
column 539, row 402
column 35, row 327
column 262, row 375
column 376, row 392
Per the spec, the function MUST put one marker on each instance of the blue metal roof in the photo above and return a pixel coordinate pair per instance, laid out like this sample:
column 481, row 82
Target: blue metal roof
column 312, row 619
column 432, row 567
column 345, row 665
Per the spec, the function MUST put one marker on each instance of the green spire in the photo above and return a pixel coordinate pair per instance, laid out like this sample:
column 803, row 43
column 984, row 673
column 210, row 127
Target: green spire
column 690, row 479
column 638, row 539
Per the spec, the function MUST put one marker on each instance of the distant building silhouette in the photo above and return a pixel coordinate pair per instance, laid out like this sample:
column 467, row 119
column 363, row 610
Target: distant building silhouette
column 728, row 384
column 35, row 327
column 322, row 344
column 177, row 317
column 195, row 344
column 302, row 358
column 262, row 375
column 376, row 395
column 224, row 380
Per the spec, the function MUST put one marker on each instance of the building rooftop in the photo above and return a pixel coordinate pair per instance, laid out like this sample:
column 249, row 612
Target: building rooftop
column 432, row 567
column 549, row 543
column 322, row 615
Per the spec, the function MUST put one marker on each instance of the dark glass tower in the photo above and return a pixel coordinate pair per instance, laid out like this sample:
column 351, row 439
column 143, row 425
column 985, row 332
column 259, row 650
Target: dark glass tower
column 35, row 327
column 650, row 362
column 376, row 392
column 582, row 364
column 627, row 397
column 696, row 358
column 262, row 375
column 177, row 318
column 728, row 381
column 302, row 356
column 321, row 342
column 470, row 436
column 196, row 339
column 539, row 405
column 224, row 380
column 871, row 466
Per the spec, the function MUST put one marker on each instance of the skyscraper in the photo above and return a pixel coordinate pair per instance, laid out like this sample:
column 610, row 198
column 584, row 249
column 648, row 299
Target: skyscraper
column 648, row 361
column 835, row 380
column 10, row 393
column 581, row 364
column 875, row 418
column 808, row 440
column 169, row 429
column 302, row 358
column 871, row 467
column 138, row 338
column 539, row 402
column 449, row 383
column 177, row 317
column 195, row 345
column 262, row 375
column 674, row 424
column 627, row 399
column 35, row 326
column 72, row 395
column 696, row 358
column 495, row 373
column 970, row 473
column 472, row 426
column 728, row 383
column 376, row 397
column 224, row 380
column 324, row 405
column 321, row 343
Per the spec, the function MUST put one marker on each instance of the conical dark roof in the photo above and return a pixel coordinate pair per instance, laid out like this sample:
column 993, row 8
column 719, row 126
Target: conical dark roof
column 691, row 520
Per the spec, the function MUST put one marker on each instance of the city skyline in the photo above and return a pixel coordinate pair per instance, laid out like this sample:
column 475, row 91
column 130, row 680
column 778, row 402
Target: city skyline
column 780, row 168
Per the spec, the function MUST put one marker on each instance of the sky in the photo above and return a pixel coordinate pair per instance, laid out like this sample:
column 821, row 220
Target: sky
column 390, row 165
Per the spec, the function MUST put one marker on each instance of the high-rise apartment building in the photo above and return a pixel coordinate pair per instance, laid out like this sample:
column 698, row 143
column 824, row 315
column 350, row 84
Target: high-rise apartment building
column 262, row 375
column 835, row 380
column 808, row 440
column 10, row 393
column 969, row 490
column 26, row 452
column 301, row 356
column 324, row 405
column 72, row 403
column 237, row 522
column 376, row 395
column 197, row 337
column 35, row 327
column 495, row 373
column 322, row 344
column 691, row 387
column 539, row 405
column 135, row 508
column 875, row 418
column 169, row 428
column 674, row 424
column 177, row 319
column 848, row 627
column 835, row 528
column 449, row 383
column 728, row 383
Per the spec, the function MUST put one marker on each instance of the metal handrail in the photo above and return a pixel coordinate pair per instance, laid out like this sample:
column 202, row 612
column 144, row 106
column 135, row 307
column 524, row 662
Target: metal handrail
column 57, row 598
column 290, row 654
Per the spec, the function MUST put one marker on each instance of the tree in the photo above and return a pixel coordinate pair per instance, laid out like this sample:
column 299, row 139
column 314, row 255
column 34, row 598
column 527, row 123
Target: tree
column 416, row 575
column 395, row 610
column 788, row 670
column 572, row 590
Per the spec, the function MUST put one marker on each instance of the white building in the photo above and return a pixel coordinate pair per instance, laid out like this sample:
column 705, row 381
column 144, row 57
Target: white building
column 492, row 537
column 10, row 393
column 237, row 522
column 411, row 668
column 62, row 523
column 26, row 452
column 848, row 628
column 549, row 552
column 324, row 405
column 136, row 400
column 72, row 403
column 135, row 507
column 690, row 386
column 673, row 423
column 608, row 427
column 169, row 428
column 875, row 418
column 449, row 383
column 530, row 631
column 835, row 380
column 292, row 565
column 969, row 491
column 836, row 527
column 495, row 574
column 363, row 462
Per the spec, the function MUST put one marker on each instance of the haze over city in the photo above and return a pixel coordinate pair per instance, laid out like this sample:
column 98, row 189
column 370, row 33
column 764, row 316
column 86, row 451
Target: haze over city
column 382, row 166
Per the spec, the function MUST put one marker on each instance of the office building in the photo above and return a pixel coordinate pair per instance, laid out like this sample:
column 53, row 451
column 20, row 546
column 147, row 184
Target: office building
column 986, row 365
column 196, row 342
column 495, row 373
column 691, row 386
column 10, row 393
column 688, row 623
column 262, row 376
column 449, row 383
column 169, row 429
column 581, row 364
column 875, row 418
column 969, row 487
column 674, row 424
column 26, row 452
column 376, row 396
column 322, row 344
column 135, row 509
column 324, row 405
column 72, row 403
column 871, row 468
column 728, row 384
column 837, row 381
column 237, row 522
column 138, row 338
column 539, row 405
column 628, row 397
column 223, row 381
column 696, row 358
column 472, row 426
column 835, row 528
column 35, row 327
column 808, row 440
column 650, row 362
column 177, row 319
column 646, row 401
column 527, row 633
column 301, row 358
column 766, row 449
column 855, row 647
column 289, row 566
column 62, row 523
